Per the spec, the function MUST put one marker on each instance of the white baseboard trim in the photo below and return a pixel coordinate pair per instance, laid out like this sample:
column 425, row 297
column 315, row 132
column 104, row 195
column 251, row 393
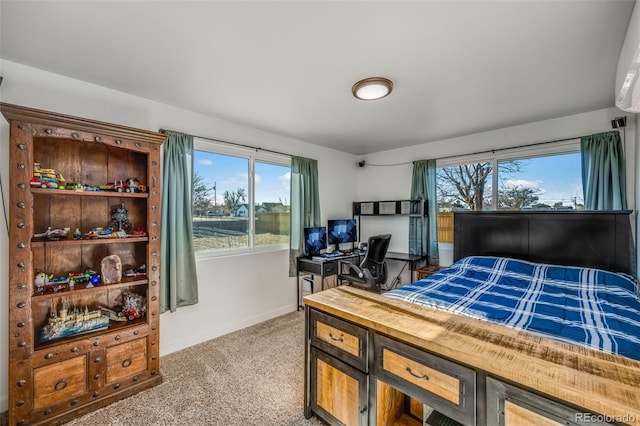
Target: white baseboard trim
column 177, row 345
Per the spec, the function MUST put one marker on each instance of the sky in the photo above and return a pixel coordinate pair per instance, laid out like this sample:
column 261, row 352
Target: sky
column 558, row 177
column 229, row 173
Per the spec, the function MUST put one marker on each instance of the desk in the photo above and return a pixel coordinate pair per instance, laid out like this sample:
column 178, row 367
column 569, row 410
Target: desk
column 329, row 266
column 413, row 260
column 322, row 267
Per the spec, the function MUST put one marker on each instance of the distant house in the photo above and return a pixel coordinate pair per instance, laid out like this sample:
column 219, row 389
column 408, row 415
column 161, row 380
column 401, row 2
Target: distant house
column 242, row 210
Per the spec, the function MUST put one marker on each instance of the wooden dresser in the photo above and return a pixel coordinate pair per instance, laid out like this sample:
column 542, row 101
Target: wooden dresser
column 372, row 360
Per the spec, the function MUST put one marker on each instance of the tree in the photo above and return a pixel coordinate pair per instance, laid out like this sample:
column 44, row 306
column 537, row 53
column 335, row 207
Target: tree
column 517, row 197
column 201, row 196
column 233, row 199
column 464, row 184
column 467, row 185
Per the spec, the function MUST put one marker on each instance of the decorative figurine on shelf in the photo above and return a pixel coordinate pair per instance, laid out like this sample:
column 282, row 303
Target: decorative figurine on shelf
column 41, row 280
column 120, row 217
column 77, row 235
column 111, row 269
column 139, row 271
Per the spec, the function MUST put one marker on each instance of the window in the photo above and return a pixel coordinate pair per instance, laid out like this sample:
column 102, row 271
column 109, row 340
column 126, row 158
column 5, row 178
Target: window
column 240, row 200
column 541, row 177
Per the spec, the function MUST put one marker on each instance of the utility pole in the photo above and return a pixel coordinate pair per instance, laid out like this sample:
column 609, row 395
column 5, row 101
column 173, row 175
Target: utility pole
column 214, row 196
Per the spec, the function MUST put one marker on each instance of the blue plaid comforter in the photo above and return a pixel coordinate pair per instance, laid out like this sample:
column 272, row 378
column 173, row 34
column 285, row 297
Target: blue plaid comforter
column 590, row 307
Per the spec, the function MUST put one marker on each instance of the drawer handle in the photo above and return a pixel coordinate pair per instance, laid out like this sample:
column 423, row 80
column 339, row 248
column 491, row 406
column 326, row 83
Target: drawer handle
column 60, row 385
column 417, row 376
column 126, row 362
column 336, row 339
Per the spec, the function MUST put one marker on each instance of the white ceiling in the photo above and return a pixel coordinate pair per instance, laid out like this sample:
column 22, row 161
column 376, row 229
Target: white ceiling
column 459, row 67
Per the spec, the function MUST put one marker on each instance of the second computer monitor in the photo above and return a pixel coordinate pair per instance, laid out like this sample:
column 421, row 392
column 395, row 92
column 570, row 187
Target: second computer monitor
column 342, row 231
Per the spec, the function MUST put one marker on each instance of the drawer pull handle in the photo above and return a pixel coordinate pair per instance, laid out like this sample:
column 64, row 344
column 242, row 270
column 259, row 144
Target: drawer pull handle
column 417, row 376
column 126, row 363
column 336, row 339
column 49, row 356
column 60, row 385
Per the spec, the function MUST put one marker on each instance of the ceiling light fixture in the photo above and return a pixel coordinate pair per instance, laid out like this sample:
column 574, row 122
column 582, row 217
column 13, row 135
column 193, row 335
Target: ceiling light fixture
column 372, row 88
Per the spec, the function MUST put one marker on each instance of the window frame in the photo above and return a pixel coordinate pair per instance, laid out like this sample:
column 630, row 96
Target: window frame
column 569, row 146
column 252, row 155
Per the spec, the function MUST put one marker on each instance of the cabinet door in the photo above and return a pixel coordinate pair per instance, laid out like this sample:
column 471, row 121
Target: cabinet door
column 339, row 392
column 508, row 405
column 60, row 381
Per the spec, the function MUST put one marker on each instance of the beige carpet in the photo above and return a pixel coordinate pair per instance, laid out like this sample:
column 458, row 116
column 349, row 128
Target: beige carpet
column 250, row 377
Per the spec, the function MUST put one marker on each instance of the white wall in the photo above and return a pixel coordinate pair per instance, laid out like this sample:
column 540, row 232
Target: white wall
column 379, row 181
column 234, row 292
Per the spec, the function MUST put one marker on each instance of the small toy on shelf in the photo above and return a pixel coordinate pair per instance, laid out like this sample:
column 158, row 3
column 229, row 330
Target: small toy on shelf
column 139, row 232
column 53, row 234
column 77, row 235
column 94, row 281
column 44, row 282
column 117, row 185
column 139, row 271
column 134, row 305
column 99, row 233
column 134, row 185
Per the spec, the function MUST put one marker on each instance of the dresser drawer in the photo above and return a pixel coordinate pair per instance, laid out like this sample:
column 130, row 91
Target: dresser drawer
column 57, row 382
column 339, row 338
column 446, row 386
column 126, row 360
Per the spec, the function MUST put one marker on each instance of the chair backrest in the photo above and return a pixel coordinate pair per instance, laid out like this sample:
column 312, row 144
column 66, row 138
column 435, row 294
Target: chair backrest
column 374, row 259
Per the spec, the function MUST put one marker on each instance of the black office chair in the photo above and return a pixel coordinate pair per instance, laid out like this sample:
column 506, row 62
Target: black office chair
column 371, row 274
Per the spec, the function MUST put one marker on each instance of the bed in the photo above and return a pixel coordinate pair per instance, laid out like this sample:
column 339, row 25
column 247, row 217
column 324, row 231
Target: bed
column 538, row 307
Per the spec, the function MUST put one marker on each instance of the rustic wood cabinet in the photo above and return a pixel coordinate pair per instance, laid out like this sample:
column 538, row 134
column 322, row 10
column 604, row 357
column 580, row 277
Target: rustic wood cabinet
column 372, row 360
column 72, row 345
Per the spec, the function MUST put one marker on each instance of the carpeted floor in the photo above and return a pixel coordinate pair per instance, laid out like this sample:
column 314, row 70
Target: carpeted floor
column 250, row 377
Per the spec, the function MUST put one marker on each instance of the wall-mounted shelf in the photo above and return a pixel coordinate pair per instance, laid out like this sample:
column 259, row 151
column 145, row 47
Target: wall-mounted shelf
column 415, row 208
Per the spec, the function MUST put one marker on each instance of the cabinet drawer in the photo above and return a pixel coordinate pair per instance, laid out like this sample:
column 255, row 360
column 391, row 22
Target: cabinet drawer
column 339, row 338
column 60, row 381
column 126, row 360
column 508, row 405
column 447, row 386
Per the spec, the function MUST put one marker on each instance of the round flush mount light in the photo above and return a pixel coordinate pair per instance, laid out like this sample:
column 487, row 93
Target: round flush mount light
column 372, row 88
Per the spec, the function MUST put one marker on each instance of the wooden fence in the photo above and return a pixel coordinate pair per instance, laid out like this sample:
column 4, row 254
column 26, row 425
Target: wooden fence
column 445, row 227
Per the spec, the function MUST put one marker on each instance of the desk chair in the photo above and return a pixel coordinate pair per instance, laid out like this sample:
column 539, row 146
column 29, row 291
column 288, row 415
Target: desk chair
column 371, row 274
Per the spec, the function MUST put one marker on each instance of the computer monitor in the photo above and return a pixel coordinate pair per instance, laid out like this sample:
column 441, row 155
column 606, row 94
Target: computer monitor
column 342, row 231
column 315, row 240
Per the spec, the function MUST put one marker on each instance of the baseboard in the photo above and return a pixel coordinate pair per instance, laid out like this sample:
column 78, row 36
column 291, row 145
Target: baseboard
column 192, row 340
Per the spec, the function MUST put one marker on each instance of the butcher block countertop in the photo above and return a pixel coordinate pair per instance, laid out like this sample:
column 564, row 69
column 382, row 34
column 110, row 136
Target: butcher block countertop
column 596, row 381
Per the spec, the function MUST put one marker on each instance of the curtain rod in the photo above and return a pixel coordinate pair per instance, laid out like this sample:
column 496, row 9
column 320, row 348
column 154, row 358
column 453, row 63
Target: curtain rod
column 235, row 144
column 493, row 151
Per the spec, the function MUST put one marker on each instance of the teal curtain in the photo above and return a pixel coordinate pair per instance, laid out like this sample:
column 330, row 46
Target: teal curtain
column 423, row 240
column 178, row 278
column 305, row 205
column 603, row 172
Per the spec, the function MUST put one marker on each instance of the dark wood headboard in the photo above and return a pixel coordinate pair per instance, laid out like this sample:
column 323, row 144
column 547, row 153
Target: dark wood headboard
column 597, row 239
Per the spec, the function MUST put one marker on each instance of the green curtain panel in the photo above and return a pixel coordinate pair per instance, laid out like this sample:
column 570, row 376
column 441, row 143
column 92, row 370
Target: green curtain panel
column 305, row 205
column 424, row 240
column 603, row 172
column 178, row 278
